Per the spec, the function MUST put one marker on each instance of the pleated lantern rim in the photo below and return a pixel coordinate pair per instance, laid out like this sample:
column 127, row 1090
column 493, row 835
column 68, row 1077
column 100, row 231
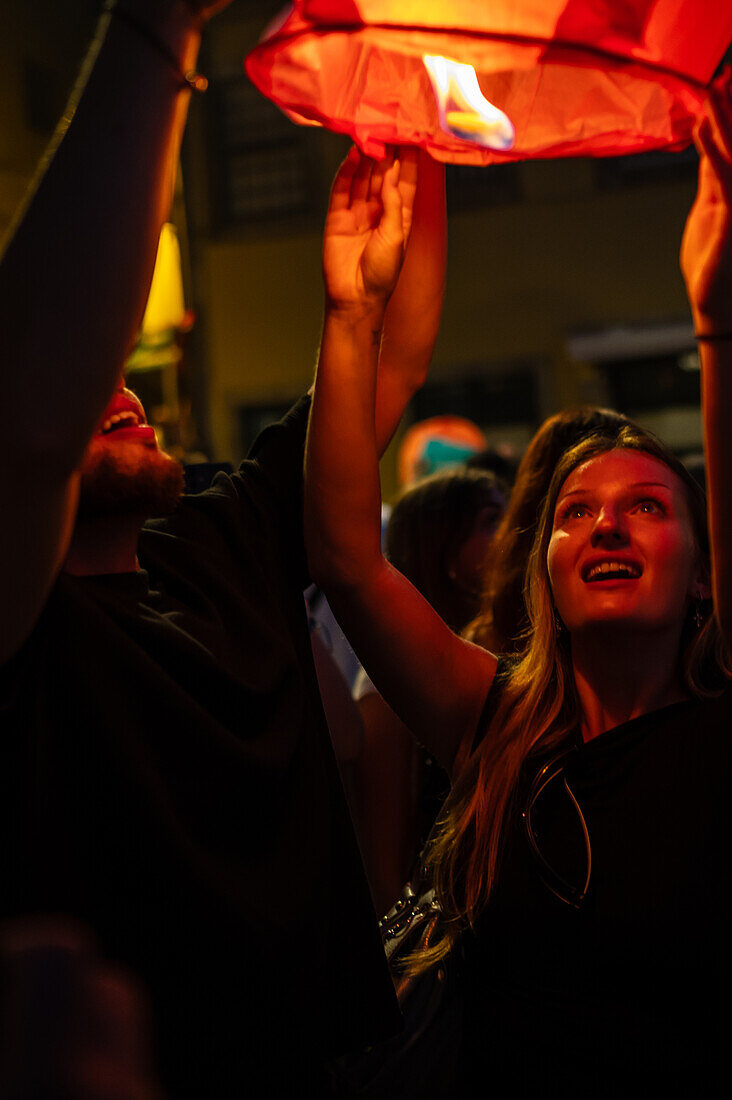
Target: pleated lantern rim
column 568, row 99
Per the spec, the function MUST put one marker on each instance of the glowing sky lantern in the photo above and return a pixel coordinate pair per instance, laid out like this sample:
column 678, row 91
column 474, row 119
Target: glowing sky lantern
column 545, row 78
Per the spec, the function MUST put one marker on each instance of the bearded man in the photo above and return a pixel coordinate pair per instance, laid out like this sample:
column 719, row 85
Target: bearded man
column 167, row 775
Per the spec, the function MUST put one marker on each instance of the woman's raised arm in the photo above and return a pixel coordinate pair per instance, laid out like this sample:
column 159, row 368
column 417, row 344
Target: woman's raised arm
column 434, row 680
column 412, row 318
column 706, row 261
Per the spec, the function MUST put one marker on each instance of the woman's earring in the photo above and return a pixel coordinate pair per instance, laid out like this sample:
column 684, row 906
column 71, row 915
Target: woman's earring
column 558, row 625
column 698, row 617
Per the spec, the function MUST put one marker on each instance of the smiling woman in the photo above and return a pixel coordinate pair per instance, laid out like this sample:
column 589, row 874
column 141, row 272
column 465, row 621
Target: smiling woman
column 622, row 547
column 619, row 602
column 581, row 861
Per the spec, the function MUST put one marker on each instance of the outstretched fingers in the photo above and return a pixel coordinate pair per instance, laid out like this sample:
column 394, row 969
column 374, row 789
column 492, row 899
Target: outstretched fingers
column 713, row 139
column 706, row 248
column 340, row 193
column 719, row 109
column 379, row 170
column 715, row 167
column 392, row 221
column 361, row 181
column 398, row 192
column 408, row 175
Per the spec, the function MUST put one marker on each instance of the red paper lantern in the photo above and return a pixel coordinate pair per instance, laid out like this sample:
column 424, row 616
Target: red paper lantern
column 568, row 77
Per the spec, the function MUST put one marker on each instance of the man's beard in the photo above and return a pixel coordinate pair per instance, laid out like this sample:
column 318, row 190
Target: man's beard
column 145, row 483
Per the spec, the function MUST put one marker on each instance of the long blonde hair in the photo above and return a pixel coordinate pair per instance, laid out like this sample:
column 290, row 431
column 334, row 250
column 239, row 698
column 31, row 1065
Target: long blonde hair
column 538, row 708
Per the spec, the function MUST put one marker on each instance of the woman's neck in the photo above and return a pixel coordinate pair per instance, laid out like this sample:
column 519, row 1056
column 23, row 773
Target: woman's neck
column 624, row 676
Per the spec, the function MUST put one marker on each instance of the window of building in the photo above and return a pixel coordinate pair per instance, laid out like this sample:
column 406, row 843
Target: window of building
column 638, row 385
column 263, row 164
column 662, row 393
column 504, row 402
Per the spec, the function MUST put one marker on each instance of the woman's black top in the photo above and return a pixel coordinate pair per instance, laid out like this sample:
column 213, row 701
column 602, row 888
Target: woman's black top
column 627, row 995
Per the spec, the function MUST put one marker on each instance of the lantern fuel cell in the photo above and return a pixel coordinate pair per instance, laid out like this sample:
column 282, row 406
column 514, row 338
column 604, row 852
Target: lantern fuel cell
column 463, row 110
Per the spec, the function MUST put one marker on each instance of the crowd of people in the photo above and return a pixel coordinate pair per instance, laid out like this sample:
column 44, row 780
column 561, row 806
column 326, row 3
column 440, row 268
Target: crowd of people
column 185, row 906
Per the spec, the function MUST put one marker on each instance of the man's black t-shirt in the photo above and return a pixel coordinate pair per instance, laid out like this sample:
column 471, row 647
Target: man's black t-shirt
column 167, row 777
column 627, row 995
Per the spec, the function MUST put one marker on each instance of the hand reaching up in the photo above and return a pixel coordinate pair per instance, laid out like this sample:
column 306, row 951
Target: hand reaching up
column 367, row 229
column 706, row 249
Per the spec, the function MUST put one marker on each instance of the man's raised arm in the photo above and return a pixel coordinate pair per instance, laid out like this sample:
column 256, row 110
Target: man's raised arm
column 75, row 274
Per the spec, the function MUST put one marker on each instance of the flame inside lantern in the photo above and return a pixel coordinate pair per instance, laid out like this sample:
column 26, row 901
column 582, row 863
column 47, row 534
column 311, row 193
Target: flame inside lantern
column 575, row 77
column 462, row 108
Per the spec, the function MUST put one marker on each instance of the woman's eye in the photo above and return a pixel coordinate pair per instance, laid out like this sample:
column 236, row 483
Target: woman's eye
column 573, row 511
column 650, row 507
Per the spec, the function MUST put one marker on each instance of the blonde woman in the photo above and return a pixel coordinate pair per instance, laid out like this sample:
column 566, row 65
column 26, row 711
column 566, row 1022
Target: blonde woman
column 583, row 863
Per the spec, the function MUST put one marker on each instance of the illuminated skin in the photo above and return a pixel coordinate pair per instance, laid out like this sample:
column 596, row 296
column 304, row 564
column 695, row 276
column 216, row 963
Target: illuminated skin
column 125, row 479
column 627, row 662
column 628, row 509
column 123, row 419
column 123, row 471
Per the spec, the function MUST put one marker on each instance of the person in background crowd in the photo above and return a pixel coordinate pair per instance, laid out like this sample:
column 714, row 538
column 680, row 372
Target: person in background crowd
column 167, row 775
column 501, row 460
column 581, row 866
column 438, row 534
column 436, row 444
column 428, row 446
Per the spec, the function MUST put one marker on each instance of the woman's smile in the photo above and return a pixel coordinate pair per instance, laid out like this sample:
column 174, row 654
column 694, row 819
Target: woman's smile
column 622, row 548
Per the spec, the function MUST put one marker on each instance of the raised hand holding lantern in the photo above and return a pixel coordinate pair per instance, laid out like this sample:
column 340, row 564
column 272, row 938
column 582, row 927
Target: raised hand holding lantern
column 547, row 78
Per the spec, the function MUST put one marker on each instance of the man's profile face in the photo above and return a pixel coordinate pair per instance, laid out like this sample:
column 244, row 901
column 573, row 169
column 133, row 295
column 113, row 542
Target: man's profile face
column 123, row 471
